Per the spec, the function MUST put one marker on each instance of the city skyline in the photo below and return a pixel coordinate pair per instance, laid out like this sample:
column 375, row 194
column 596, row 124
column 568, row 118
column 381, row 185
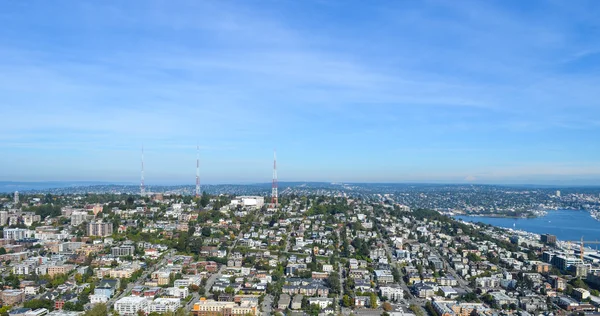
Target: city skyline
column 468, row 92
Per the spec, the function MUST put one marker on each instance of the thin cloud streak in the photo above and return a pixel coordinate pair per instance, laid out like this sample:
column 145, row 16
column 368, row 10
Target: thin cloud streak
column 241, row 79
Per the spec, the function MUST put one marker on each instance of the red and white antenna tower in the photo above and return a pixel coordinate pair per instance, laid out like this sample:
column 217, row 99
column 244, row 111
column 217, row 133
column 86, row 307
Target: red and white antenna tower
column 142, row 187
column 274, row 187
column 197, row 171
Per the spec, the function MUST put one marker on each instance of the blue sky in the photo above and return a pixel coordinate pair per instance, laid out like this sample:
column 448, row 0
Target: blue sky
column 384, row 91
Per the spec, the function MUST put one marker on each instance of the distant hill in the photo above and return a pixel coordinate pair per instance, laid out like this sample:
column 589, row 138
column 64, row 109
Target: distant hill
column 11, row 186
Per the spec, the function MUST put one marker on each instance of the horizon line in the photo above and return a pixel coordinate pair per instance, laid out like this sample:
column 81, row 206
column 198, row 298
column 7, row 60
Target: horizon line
column 92, row 182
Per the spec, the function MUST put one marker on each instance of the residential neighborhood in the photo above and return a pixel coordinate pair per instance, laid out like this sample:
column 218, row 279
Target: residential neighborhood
column 307, row 255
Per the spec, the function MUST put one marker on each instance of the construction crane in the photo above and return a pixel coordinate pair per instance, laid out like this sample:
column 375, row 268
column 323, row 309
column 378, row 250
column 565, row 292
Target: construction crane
column 581, row 245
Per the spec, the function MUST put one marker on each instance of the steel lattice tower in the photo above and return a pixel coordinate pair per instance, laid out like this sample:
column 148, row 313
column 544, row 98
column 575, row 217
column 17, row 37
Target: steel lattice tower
column 274, row 197
column 197, row 171
column 142, row 187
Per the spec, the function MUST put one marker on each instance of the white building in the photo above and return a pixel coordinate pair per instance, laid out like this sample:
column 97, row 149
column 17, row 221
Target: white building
column 98, row 298
column 249, row 201
column 17, row 233
column 323, row 302
column 64, row 313
column 37, row 312
column 3, row 218
column 163, row 305
column 393, row 293
column 182, row 292
column 130, row 305
column 22, row 269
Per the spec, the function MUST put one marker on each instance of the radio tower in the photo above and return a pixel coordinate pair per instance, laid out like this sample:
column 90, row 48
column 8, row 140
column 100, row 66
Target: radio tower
column 142, row 188
column 274, row 188
column 197, row 171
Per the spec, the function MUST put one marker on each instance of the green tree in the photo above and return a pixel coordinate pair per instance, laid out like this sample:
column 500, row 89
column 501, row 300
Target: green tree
column 396, row 274
column 39, row 303
column 416, row 309
column 569, row 289
column 70, row 306
column 578, row 283
column 346, row 302
column 430, row 309
column 97, row 310
column 373, row 299
column 2, row 251
column 314, row 309
column 205, row 199
column 4, row 310
column 473, row 257
column 333, row 281
column 79, row 278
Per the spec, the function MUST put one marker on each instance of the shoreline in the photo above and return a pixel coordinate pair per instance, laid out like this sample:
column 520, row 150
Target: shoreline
column 496, row 216
column 565, row 224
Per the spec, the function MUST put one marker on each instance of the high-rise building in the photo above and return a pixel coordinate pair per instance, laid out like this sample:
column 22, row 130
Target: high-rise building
column 3, row 218
column 79, row 217
column 548, row 239
column 16, row 197
column 197, row 171
column 274, row 194
column 98, row 228
column 142, row 187
column 557, row 193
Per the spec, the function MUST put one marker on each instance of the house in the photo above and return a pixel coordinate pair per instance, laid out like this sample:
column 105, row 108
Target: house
column 363, row 301
column 98, row 298
column 297, row 302
column 413, row 278
column 532, row 304
column 107, row 287
column 59, row 304
column 384, row 276
column 137, row 290
column 502, row 299
column 18, row 311
column 447, row 281
column 151, row 292
column 178, row 292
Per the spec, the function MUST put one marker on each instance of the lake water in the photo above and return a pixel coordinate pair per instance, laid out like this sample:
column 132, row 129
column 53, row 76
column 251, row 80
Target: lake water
column 565, row 224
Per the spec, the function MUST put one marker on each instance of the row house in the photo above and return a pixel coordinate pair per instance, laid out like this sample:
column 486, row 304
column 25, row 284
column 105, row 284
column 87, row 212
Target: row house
column 306, row 290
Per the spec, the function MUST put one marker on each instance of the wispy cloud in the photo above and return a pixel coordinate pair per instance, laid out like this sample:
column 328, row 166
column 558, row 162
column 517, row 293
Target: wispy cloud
column 241, row 79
